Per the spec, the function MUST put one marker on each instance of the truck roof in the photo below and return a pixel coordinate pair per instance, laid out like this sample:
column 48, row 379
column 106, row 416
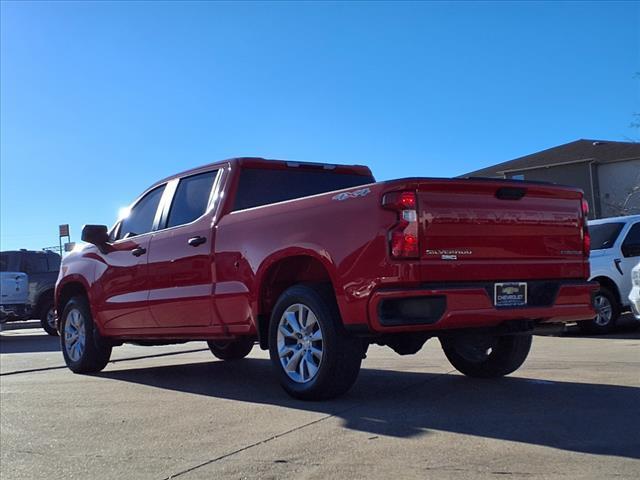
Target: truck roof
column 624, row 219
column 258, row 162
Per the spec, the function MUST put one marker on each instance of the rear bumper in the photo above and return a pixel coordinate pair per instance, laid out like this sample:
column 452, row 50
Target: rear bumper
column 14, row 312
column 452, row 306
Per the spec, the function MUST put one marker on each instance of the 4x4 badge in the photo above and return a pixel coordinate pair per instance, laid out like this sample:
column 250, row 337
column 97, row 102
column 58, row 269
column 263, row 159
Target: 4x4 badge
column 355, row 194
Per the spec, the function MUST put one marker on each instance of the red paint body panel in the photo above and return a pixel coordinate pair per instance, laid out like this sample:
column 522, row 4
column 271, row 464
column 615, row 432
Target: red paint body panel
column 181, row 276
column 473, row 308
column 220, row 288
column 123, row 281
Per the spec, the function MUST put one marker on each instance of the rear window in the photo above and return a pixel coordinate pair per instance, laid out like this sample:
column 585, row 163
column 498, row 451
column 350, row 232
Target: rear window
column 604, row 235
column 4, row 262
column 54, row 262
column 261, row 186
column 34, row 263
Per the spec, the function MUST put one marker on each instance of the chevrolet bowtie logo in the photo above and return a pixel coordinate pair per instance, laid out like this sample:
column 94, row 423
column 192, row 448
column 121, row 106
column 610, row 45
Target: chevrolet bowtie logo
column 510, row 290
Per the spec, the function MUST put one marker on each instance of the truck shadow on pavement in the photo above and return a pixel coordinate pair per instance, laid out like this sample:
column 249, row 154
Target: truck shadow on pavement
column 580, row 417
column 26, row 343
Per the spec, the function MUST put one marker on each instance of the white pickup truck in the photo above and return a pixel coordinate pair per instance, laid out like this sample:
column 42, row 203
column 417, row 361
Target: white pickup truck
column 615, row 250
column 37, row 271
column 14, row 296
column 634, row 296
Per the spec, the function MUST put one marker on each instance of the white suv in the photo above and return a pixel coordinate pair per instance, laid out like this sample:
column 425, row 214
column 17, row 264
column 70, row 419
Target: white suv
column 634, row 296
column 615, row 250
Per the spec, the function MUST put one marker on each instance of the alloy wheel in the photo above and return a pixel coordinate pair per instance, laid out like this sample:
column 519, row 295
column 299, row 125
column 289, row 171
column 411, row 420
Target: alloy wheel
column 604, row 310
column 74, row 334
column 51, row 318
column 300, row 344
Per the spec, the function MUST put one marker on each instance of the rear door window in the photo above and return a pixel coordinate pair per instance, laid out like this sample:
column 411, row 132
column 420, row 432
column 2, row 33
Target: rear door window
column 141, row 217
column 261, row 186
column 604, row 235
column 191, row 198
column 34, row 263
column 631, row 244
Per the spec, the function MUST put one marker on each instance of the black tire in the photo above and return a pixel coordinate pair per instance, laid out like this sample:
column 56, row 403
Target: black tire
column 342, row 354
column 96, row 352
column 470, row 354
column 231, row 349
column 601, row 324
column 48, row 322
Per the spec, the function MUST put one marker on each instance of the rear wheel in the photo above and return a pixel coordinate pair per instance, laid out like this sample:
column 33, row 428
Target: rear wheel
column 487, row 356
column 231, row 349
column 48, row 318
column 607, row 313
column 83, row 349
column 314, row 357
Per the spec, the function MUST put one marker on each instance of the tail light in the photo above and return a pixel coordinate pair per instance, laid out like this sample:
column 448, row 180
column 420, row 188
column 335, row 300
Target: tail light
column 403, row 236
column 586, row 237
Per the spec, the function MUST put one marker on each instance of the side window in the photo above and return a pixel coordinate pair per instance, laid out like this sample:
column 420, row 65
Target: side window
column 191, row 198
column 140, row 219
column 631, row 244
column 34, row 263
column 54, row 263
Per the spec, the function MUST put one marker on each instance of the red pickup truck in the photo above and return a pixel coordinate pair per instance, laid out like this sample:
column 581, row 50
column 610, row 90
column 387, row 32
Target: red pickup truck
column 315, row 262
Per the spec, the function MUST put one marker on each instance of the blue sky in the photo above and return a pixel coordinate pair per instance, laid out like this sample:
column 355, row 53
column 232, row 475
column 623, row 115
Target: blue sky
column 98, row 100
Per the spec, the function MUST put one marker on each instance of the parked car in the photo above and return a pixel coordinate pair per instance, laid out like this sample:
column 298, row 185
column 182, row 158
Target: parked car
column 41, row 268
column 316, row 262
column 14, row 294
column 634, row 295
column 615, row 250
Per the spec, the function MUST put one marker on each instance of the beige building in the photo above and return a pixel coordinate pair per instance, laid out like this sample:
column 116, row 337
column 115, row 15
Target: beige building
column 607, row 172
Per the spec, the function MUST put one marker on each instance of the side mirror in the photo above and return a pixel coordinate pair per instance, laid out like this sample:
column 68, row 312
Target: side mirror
column 96, row 234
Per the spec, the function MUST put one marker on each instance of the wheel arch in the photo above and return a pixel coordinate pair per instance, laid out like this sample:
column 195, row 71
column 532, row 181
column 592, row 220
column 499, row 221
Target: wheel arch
column 48, row 294
column 67, row 290
column 282, row 273
column 610, row 285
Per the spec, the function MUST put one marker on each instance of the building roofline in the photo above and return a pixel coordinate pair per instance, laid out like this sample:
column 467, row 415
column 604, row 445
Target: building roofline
column 582, row 160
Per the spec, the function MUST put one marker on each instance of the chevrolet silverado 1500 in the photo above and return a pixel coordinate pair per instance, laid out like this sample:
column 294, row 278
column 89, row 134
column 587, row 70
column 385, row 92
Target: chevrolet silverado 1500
column 315, row 262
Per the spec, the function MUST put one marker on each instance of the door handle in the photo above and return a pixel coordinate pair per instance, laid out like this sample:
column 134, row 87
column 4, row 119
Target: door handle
column 195, row 241
column 136, row 252
column 617, row 263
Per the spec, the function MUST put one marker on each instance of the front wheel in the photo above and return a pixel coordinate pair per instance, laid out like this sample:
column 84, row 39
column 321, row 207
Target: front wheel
column 314, row 357
column 83, row 349
column 231, row 349
column 48, row 318
column 487, row 356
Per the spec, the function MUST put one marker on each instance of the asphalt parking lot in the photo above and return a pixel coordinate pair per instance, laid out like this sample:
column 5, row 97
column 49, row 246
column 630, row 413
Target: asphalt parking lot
column 572, row 411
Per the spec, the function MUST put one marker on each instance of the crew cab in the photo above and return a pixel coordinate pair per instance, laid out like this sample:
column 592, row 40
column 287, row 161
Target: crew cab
column 615, row 250
column 315, row 262
column 36, row 271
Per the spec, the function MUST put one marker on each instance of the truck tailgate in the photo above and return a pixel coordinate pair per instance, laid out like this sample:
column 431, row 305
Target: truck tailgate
column 482, row 230
column 14, row 288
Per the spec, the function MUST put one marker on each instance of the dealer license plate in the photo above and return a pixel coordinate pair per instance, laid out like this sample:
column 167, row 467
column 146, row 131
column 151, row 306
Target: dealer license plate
column 510, row 294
